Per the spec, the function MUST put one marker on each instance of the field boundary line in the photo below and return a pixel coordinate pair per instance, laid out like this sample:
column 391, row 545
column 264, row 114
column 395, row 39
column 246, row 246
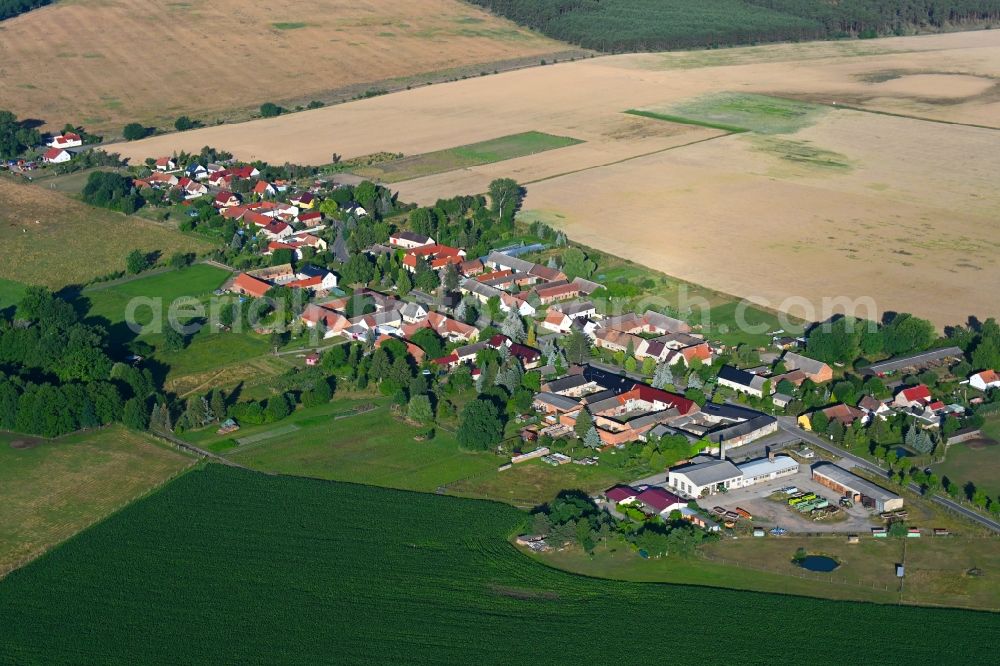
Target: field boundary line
column 892, row 114
column 629, row 159
column 31, row 557
column 111, row 284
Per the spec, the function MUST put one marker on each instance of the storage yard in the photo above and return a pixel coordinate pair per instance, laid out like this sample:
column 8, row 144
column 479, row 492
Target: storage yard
column 770, row 507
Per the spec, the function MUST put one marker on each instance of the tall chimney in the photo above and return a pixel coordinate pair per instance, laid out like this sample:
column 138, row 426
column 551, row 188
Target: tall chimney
column 722, row 449
column 770, row 455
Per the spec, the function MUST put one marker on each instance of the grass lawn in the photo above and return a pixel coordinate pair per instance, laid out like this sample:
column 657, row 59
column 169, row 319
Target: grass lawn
column 10, row 293
column 71, row 183
column 56, row 488
column 252, row 374
column 937, row 569
column 208, row 350
column 461, row 157
column 991, row 428
column 110, row 301
column 534, row 482
column 738, row 322
column 943, row 571
column 617, row 561
column 371, row 447
column 53, row 240
column 976, row 462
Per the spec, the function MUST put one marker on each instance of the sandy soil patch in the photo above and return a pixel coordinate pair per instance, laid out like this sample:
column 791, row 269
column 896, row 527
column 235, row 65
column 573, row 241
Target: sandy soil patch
column 937, row 85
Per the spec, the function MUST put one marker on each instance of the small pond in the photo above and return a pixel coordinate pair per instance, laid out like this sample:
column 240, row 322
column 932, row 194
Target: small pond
column 819, row 563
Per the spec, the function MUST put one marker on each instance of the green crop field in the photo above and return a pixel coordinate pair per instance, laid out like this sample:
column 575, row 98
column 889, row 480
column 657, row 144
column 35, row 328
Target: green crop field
column 686, row 121
column 335, row 442
column 51, row 489
column 462, row 157
column 229, row 566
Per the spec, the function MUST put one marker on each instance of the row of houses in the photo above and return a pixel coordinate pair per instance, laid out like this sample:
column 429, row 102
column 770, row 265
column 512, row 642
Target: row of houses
column 797, row 369
column 623, row 410
column 916, row 401
column 257, row 283
column 673, row 342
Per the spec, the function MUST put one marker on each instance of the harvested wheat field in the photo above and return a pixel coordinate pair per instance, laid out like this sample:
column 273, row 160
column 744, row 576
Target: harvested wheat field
column 865, row 168
column 105, row 63
column 52, row 240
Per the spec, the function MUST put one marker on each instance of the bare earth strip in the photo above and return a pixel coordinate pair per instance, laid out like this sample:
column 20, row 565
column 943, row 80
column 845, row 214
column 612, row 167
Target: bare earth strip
column 894, row 200
column 105, row 63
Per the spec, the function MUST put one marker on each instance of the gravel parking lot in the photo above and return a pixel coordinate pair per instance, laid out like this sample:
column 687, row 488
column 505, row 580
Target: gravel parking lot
column 767, row 513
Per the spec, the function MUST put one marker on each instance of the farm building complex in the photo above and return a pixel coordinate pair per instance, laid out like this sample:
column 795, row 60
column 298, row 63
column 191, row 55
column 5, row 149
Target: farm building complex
column 858, row 489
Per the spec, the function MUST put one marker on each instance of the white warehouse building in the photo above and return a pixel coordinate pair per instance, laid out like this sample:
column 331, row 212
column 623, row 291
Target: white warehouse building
column 707, row 476
column 767, row 469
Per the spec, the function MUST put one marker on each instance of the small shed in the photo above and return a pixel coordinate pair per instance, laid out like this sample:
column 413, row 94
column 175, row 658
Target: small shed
column 312, row 359
column 228, row 426
column 900, row 571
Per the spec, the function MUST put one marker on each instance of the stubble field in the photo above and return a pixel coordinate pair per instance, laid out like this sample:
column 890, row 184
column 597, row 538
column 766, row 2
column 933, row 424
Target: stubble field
column 868, row 170
column 105, row 63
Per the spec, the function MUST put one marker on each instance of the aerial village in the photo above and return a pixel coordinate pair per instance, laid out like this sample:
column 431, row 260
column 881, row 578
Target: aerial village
column 735, row 434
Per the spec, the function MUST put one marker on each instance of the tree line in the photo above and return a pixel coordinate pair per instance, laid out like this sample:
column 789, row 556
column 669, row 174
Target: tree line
column 652, row 25
column 56, row 375
column 12, row 8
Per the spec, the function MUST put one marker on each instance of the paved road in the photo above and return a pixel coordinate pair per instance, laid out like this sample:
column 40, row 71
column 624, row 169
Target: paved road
column 615, row 370
column 788, row 424
column 760, row 447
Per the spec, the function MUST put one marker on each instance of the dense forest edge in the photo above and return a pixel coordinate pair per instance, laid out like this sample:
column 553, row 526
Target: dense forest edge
column 12, row 8
column 656, row 25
